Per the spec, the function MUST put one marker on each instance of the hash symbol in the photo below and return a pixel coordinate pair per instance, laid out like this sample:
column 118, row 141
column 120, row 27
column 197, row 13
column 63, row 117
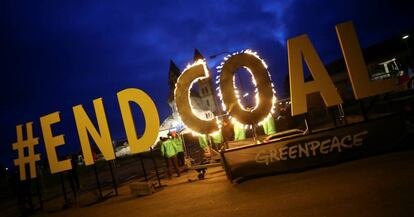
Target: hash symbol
column 28, row 144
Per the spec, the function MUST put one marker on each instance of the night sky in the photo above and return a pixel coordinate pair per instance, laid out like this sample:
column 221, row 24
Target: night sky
column 58, row 54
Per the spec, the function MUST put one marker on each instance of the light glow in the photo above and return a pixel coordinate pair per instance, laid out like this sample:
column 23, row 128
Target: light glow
column 236, row 92
column 199, row 62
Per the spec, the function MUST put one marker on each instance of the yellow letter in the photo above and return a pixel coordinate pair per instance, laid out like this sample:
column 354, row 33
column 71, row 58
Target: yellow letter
column 261, row 80
column 191, row 75
column 357, row 70
column 321, row 83
column 85, row 126
column 51, row 142
column 152, row 122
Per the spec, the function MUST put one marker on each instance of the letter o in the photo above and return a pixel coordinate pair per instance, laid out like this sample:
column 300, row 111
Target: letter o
column 264, row 93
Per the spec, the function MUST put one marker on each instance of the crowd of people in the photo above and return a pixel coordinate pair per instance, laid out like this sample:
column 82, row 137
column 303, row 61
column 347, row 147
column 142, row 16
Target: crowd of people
column 172, row 146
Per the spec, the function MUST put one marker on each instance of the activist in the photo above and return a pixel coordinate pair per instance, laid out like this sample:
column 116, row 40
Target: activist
column 169, row 153
column 179, row 148
column 203, row 141
column 217, row 139
column 239, row 132
column 72, row 175
column 269, row 126
column 227, row 130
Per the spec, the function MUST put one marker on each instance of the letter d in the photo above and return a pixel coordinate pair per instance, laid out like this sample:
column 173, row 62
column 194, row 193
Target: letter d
column 152, row 122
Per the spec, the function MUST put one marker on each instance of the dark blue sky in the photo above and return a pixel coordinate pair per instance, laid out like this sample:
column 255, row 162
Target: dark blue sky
column 57, row 54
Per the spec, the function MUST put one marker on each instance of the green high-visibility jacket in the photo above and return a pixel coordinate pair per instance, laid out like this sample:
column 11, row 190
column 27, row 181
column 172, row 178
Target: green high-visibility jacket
column 239, row 132
column 217, row 138
column 179, row 147
column 202, row 140
column 168, row 148
column 269, row 126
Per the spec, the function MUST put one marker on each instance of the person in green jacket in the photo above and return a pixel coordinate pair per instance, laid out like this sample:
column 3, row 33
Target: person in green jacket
column 169, row 153
column 269, row 126
column 203, row 141
column 179, row 148
column 239, row 132
column 217, row 139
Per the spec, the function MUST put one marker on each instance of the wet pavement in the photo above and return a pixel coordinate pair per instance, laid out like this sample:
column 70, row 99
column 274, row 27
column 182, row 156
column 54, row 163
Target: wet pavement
column 375, row 186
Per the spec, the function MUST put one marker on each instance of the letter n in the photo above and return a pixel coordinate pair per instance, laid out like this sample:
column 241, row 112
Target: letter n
column 102, row 138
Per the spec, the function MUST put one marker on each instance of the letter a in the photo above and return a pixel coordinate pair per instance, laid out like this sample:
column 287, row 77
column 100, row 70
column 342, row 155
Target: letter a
column 322, row 83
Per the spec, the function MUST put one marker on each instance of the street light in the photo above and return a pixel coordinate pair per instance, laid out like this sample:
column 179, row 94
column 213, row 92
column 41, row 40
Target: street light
column 405, row 39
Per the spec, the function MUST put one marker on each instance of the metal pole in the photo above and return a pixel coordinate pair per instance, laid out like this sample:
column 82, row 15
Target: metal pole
column 38, row 187
column 39, row 193
column 342, row 114
column 114, row 183
column 29, row 192
column 332, row 111
column 98, row 184
column 156, row 168
column 65, row 196
column 143, row 168
column 364, row 113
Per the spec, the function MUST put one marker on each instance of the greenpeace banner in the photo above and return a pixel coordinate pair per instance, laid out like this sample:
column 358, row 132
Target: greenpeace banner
column 306, row 151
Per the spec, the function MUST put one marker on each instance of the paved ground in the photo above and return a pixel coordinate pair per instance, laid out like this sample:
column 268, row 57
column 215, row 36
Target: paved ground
column 376, row 186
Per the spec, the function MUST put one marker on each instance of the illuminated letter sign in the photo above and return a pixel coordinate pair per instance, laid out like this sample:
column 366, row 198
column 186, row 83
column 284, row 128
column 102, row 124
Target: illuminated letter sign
column 264, row 94
column 51, row 142
column 152, row 121
column 102, row 137
column 357, row 69
column 265, row 98
column 190, row 75
column 322, row 83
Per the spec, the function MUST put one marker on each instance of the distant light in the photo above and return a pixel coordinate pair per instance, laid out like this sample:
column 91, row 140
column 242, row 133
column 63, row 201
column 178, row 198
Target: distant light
column 246, row 94
column 405, row 36
column 7, row 168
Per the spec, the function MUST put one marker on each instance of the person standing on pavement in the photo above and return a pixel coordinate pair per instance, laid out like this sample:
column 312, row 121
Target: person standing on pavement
column 217, row 139
column 179, row 148
column 269, row 126
column 239, row 132
column 204, row 145
column 169, row 153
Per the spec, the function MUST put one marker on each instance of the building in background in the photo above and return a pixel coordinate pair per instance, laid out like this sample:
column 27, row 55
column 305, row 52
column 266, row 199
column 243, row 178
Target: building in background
column 203, row 102
column 206, row 90
column 202, row 99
